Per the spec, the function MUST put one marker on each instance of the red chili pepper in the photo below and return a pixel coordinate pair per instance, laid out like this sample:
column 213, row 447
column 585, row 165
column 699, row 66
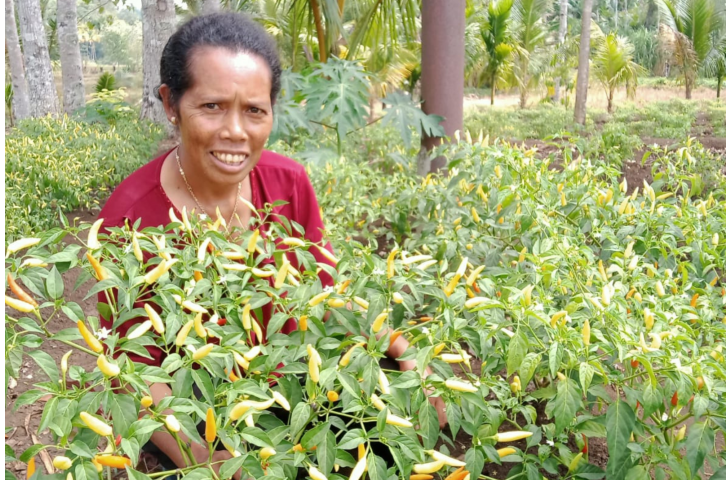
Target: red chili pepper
column 634, row 363
column 584, row 447
column 637, row 405
column 118, row 440
column 222, row 322
column 674, row 399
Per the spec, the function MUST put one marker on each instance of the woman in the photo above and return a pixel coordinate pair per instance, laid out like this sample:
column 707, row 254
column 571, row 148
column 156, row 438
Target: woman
column 220, row 77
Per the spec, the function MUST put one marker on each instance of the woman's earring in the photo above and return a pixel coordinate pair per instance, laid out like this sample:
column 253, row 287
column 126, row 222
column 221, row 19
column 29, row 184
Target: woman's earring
column 173, row 120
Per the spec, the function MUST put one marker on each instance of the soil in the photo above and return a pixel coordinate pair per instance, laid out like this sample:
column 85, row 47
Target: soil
column 23, row 422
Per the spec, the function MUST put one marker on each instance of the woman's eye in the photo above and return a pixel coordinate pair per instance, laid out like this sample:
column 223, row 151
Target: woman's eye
column 210, row 106
column 255, row 110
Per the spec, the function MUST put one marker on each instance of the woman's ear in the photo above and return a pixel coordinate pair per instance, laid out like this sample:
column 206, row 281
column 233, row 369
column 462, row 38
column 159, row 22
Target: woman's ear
column 165, row 94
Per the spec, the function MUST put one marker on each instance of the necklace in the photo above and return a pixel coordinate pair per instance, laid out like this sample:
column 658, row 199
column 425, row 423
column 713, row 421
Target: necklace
column 189, row 187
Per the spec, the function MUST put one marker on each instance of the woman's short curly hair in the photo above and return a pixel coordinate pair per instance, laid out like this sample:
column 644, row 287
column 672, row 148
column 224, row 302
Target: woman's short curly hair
column 232, row 31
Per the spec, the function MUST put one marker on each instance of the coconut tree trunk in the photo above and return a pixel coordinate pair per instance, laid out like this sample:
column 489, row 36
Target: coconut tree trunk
column 583, row 67
column 159, row 19
column 21, row 102
column 718, row 86
column 442, row 71
column 611, row 94
column 38, row 71
column 689, row 85
column 318, row 17
column 211, row 6
column 71, row 65
column 523, row 87
column 561, row 34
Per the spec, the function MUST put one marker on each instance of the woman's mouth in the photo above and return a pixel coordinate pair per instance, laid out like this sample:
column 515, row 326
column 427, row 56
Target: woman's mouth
column 230, row 159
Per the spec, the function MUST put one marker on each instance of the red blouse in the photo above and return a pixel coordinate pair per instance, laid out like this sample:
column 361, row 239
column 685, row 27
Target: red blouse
column 274, row 178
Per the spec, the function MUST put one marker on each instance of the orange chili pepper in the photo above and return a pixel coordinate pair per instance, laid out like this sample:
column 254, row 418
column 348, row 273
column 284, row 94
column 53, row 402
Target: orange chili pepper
column 97, row 267
column 31, row 467
column 394, row 337
column 198, row 276
column 694, row 300
column 457, row 474
column 20, row 293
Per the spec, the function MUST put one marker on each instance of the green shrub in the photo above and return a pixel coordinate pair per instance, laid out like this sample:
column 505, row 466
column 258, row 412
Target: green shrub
column 54, row 163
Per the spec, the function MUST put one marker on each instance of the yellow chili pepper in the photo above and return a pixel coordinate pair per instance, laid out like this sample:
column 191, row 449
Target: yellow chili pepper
column 293, row 242
column 318, row 298
column 336, row 302
column 155, row 319
column 574, row 462
column 383, row 383
column 21, row 244
column 281, row 275
column 156, row 273
column 503, row 452
column 377, row 402
column 586, row 333
column 193, row 307
column 62, row 463
column 460, row 385
column 332, row 396
column 198, row 327
column 302, row 324
column 512, row 436
column 113, row 461
column 451, row 462
column 202, row 352
column 93, row 243
column 378, row 321
column 361, row 303
column 281, row 400
column 98, row 426
column 18, row 305
column 19, row 292
column 397, row 421
column 267, row 452
column 316, row 474
column 107, row 368
column 246, row 318
column 390, row 265
column 210, row 430
column 89, row 338
column 137, row 248
column 146, row 401
column 252, row 244
column 184, row 333
column 430, row 467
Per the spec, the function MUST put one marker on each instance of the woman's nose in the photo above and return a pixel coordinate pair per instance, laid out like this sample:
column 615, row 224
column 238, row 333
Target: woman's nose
column 235, row 128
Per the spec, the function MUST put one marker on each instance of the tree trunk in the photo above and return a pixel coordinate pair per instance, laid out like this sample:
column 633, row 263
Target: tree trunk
column 74, row 95
column 211, row 6
column 322, row 46
column 21, row 102
column 493, row 88
column 38, row 71
column 523, row 88
column 442, row 71
column 689, row 86
column 718, row 86
column 159, row 19
column 583, row 66
column 611, row 94
column 561, row 34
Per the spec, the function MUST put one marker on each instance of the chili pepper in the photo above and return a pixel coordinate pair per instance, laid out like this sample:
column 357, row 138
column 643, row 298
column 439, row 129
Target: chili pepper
column 298, row 448
column 302, row 323
column 392, row 419
column 118, row 440
column 659, row 288
column 451, row 462
column 503, row 452
column 394, row 336
column 62, row 463
column 202, row 352
column 292, row 242
column 430, row 467
column 107, row 368
column 319, row 298
column 699, row 382
column 390, row 266
column 193, row 307
column 574, row 462
column 198, row 327
column 332, row 396
column 516, row 385
column 185, row 220
column 586, row 333
column 475, row 302
column 326, row 253
column 377, row 402
column 267, row 452
column 18, row 305
column 316, row 474
column 454, row 357
column 336, row 302
column 634, row 363
column 281, row 400
column 681, row 434
column 397, row 298
column 361, row 451
column 694, row 300
column 314, row 370
column 146, row 401
column 172, row 424
column 101, row 273
column 648, row 318
column 98, row 426
column 674, row 399
column 420, row 476
column 252, row 243
column 19, row 292
column 460, row 385
column 113, row 461
column 156, row 273
column 21, row 244
column 183, row 333
column 210, row 430
column 360, row 466
column 361, row 303
column 383, row 383
column 155, row 319
column 378, row 321
column 89, row 338
column 93, row 243
column 282, row 274
column 512, row 436
column 141, row 329
column 457, row 474
column 254, row 351
column 31, row 468
column 715, row 239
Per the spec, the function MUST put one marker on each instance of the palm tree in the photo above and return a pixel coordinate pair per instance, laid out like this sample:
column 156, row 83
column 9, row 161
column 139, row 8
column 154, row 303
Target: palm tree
column 528, row 33
column 715, row 63
column 583, row 64
column 691, row 23
column 612, row 65
column 495, row 32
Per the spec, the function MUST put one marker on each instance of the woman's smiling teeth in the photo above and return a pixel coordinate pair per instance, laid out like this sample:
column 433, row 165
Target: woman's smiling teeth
column 229, row 158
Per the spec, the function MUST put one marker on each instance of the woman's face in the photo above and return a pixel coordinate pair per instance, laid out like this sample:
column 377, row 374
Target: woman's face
column 225, row 117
